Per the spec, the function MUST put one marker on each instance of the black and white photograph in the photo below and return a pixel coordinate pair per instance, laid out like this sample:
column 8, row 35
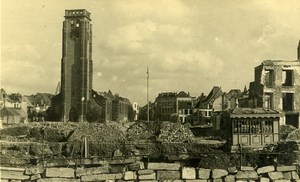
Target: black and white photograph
column 150, row 91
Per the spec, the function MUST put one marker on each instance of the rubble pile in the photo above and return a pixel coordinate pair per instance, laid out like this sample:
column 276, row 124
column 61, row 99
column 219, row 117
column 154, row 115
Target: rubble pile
column 285, row 130
column 294, row 135
column 175, row 132
column 142, row 130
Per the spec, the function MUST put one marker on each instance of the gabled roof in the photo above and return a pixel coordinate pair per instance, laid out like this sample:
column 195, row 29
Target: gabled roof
column 183, row 94
column 214, row 94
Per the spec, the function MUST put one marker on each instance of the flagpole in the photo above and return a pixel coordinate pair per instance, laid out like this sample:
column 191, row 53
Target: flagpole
column 148, row 110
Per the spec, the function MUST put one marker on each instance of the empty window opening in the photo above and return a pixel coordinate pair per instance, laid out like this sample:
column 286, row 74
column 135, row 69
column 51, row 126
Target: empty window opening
column 287, row 77
column 269, row 78
column 268, row 101
column 287, row 101
column 292, row 119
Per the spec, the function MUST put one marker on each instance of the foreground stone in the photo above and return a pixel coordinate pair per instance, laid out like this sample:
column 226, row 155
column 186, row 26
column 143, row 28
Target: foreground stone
column 147, row 176
column 230, row 178
column 204, row 173
column 93, row 170
column 98, row 177
column 218, row 173
column 188, row 173
column 130, row 175
column 164, row 166
column 275, row 175
column 57, row 179
column 164, row 175
column 285, row 168
column 18, row 175
column 246, row 175
column 145, row 171
column 263, row 179
column 265, row 169
column 60, row 172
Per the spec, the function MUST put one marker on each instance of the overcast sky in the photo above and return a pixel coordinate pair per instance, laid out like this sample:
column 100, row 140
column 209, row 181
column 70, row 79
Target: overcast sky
column 189, row 45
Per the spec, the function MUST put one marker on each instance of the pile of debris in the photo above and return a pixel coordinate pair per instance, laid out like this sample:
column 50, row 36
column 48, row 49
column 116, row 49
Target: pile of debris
column 143, row 130
column 294, row 135
column 286, row 130
column 175, row 132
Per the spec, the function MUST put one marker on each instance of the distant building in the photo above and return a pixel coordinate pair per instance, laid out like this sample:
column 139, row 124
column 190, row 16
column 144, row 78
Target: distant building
column 213, row 102
column 121, row 109
column 277, row 86
column 136, row 110
column 170, row 105
column 104, row 100
column 13, row 108
column 37, row 105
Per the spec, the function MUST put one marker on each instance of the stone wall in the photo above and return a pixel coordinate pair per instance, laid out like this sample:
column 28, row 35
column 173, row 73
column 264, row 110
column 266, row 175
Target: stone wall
column 135, row 170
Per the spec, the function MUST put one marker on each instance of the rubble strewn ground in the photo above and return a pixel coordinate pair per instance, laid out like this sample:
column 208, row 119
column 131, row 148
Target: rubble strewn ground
column 162, row 140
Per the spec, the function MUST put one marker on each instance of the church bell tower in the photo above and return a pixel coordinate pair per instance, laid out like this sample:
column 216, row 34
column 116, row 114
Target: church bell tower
column 76, row 65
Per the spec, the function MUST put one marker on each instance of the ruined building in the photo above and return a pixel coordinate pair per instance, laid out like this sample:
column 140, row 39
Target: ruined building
column 277, row 86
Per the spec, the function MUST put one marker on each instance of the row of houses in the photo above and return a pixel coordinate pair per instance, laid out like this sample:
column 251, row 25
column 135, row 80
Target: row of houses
column 15, row 108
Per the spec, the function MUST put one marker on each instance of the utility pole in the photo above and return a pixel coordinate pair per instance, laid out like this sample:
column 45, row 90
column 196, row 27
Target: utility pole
column 148, row 109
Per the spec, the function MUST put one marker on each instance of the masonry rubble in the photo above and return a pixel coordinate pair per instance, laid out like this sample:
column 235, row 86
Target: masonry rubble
column 111, row 171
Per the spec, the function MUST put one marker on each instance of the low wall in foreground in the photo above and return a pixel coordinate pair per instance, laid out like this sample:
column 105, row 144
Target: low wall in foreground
column 136, row 170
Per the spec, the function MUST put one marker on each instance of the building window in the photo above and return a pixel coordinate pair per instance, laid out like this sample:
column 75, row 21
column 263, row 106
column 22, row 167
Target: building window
column 268, row 101
column 287, row 101
column 253, row 126
column 287, row 77
column 269, row 78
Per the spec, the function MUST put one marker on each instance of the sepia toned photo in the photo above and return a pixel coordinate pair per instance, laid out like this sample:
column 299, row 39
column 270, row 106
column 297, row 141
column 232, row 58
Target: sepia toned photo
column 150, row 91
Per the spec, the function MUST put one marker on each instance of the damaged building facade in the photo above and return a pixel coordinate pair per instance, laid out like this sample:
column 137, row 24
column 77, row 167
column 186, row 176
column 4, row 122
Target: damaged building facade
column 277, row 86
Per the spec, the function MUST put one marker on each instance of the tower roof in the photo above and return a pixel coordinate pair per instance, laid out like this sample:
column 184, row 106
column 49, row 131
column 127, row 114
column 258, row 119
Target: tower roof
column 77, row 13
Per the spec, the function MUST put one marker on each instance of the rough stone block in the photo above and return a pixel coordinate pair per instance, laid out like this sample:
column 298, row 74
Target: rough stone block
column 34, row 170
column 230, row 178
column 275, row 175
column 218, row 173
column 35, row 177
column 179, row 180
column 4, row 180
column 93, row 170
column 204, row 173
column 130, row 175
column 287, row 175
column 265, row 169
column 247, row 168
column 295, row 175
column 281, row 180
column 57, row 179
column 285, row 168
column 149, row 180
column 147, row 176
column 136, row 166
column 60, row 173
column 164, row 175
column 263, row 179
column 232, row 170
column 117, row 168
column 188, row 173
column 246, row 175
column 145, row 171
column 196, row 180
column 18, row 175
column 164, row 166
column 98, row 177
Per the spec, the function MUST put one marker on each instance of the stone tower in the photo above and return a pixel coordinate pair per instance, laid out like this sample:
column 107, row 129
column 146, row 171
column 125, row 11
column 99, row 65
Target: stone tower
column 76, row 65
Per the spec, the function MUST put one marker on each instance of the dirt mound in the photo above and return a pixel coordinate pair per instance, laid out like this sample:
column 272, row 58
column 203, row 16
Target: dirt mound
column 285, row 130
column 175, row 132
